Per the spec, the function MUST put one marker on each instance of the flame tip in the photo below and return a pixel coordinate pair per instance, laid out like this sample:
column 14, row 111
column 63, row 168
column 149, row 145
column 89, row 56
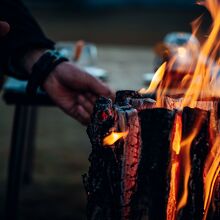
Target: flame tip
column 114, row 137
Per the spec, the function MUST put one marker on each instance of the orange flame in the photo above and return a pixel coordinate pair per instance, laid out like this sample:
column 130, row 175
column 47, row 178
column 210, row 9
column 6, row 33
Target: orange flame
column 113, row 137
column 200, row 83
column 177, row 135
column 211, row 173
column 192, row 73
column 175, row 166
column 158, row 76
column 171, row 205
column 186, row 161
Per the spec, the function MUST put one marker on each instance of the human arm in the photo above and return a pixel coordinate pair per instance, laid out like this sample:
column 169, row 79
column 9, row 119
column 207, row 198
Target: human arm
column 70, row 88
column 24, row 35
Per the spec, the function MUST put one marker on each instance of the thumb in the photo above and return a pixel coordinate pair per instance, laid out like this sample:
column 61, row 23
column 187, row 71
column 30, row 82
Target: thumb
column 4, row 28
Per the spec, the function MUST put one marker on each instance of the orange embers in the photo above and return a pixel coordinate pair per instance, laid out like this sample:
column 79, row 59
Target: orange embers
column 177, row 134
column 113, row 137
column 175, row 165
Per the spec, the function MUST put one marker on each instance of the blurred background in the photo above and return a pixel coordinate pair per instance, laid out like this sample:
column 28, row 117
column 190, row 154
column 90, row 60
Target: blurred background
column 125, row 32
column 138, row 22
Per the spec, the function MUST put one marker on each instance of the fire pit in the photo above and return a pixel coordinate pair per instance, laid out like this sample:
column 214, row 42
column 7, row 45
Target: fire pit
column 156, row 152
column 136, row 159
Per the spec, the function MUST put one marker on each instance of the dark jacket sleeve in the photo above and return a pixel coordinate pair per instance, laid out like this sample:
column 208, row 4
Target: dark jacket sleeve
column 24, row 34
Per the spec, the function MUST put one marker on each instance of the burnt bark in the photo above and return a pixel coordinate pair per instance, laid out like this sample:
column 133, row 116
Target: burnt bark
column 198, row 153
column 152, row 180
column 131, row 178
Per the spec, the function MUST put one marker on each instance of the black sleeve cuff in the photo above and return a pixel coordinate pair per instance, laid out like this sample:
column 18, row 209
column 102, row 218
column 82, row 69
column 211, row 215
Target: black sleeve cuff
column 24, row 34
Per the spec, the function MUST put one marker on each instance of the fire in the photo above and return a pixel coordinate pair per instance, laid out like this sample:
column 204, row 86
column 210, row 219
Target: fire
column 186, row 162
column 158, row 76
column 200, row 84
column 175, row 166
column 211, row 173
column 192, row 73
column 113, row 137
column 171, row 205
column 177, row 135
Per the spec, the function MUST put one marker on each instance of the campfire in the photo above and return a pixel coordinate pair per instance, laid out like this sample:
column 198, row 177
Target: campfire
column 156, row 152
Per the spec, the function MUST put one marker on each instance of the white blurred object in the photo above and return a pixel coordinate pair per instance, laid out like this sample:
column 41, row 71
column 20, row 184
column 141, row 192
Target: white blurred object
column 184, row 47
column 88, row 56
column 181, row 48
column 86, row 60
column 97, row 72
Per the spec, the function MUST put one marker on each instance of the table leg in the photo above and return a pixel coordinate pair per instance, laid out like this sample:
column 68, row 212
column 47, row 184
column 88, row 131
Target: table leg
column 30, row 148
column 16, row 161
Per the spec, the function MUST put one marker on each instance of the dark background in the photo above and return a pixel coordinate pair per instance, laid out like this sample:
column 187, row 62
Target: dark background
column 137, row 22
column 112, row 3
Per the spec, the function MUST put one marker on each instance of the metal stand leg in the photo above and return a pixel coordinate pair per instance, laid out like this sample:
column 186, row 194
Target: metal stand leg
column 30, row 152
column 16, row 161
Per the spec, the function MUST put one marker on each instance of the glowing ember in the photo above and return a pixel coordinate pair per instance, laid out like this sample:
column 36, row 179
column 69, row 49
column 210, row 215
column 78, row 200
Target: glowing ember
column 113, row 137
column 177, row 135
column 175, row 165
column 171, row 205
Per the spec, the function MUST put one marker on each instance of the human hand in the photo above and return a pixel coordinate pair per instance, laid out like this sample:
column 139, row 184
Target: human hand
column 72, row 89
column 4, row 28
column 75, row 91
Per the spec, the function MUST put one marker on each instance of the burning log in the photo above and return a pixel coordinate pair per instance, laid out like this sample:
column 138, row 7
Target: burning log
column 131, row 177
